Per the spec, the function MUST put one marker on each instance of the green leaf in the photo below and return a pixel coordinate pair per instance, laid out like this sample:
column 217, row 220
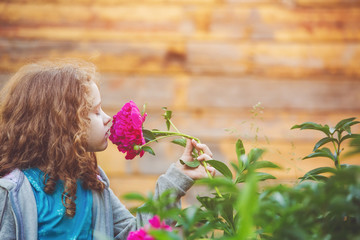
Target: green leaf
column 143, row 109
column 356, row 141
column 314, row 177
column 207, row 202
column 240, row 150
column 148, row 135
column 200, row 231
column 265, row 164
column 243, row 162
column 134, row 196
column 348, row 136
column 221, row 167
column 347, row 126
column 310, row 125
column 219, row 182
column 168, row 124
column 345, row 166
column 247, row 206
column 340, row 124
column 261, row 176
column 317, row 171
column 236, row 167
column 167, row 114
column 179, row 141
column 148, row 149
column 324, row 141
column 164, row 235
column 323, row 152
column 255, row 154
column 193, row 164
column 228, row 212
column 240, row 179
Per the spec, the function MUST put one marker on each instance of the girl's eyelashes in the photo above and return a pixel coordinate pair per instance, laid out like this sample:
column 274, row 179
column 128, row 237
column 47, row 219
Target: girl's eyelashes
column 97, row 110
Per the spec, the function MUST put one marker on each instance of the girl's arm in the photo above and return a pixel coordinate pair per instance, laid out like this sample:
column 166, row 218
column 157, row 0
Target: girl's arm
column 125, row 222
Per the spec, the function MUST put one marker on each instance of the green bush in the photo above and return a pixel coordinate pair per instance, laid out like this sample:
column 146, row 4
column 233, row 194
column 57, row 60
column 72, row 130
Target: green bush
column 318, row 207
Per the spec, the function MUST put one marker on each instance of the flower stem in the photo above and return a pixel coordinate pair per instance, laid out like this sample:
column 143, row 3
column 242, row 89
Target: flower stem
column 171, row 123
column 208, row 173
column 337, row 152
column 168, row 134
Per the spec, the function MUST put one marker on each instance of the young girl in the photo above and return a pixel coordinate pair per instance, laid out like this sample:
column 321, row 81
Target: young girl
column 51, row 125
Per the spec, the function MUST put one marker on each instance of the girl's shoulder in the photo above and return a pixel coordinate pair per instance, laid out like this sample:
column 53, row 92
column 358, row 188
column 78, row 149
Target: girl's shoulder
column 102, row 177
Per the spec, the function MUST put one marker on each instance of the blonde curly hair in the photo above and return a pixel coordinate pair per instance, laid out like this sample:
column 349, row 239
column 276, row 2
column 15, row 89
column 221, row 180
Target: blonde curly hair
column 43, row 123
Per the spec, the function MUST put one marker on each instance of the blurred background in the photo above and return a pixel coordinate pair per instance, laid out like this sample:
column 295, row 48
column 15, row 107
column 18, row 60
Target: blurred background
column 228, row 69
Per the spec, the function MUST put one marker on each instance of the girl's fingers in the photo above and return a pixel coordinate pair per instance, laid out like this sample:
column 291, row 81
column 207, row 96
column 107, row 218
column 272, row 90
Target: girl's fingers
column 203, row 157
column 202, row 147
column 211, row 170
column 188, row 147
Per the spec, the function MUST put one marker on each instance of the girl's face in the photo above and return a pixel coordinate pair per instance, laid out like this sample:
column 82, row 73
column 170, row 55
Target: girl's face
column 98, row 132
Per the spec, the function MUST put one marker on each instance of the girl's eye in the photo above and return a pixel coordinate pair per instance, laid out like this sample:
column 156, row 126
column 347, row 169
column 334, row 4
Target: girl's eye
column 97, row 111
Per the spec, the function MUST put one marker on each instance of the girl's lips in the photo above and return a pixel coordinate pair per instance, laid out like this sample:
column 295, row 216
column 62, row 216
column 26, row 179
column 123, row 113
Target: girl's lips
column 107, row 134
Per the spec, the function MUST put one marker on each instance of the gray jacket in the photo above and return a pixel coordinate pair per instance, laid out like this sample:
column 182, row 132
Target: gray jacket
column 18, row 212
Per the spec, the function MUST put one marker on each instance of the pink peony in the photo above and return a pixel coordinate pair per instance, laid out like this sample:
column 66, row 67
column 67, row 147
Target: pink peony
column 126, row 130
column 142, row 233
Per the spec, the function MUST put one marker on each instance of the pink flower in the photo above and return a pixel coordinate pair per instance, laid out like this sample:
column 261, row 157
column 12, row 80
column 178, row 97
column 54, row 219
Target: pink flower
column 126, row 130
column 155, row 223
column 142, row 233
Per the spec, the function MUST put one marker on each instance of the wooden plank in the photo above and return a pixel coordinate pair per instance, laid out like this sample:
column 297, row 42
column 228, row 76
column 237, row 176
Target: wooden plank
column 98, row 22
column 309, row 94
column 88, row 15
column 292, row 60
column 231, row 94
column 125, row 57
column 286, row 24
column 235, row 93
column 126, row 2
column 326, row 3
column 274, row 60
column 152, row 2
column 290, row 3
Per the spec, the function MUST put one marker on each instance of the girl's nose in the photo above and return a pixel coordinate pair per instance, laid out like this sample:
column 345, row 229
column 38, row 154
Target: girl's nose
column 107, row 119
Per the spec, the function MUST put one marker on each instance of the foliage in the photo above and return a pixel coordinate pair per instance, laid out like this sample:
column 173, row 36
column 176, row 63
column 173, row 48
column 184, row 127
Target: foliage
column 328, row 208
column 335, row 136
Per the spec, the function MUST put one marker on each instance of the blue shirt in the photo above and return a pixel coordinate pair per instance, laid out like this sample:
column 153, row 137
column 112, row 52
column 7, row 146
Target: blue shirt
column 53, row 224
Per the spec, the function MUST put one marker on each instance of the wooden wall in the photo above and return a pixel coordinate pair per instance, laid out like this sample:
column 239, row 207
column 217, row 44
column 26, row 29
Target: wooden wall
column 210, row 61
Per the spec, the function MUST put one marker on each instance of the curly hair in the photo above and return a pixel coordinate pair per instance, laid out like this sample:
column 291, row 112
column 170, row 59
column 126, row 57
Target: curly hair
column 43, row 123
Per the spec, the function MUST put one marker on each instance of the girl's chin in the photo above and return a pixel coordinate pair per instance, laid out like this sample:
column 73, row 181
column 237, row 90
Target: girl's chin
column 98, row 148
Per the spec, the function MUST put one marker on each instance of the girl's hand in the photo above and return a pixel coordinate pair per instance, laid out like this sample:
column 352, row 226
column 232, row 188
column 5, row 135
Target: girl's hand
column 198, row 172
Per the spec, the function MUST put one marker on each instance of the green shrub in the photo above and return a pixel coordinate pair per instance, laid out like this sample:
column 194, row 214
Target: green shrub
column 318, row 207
